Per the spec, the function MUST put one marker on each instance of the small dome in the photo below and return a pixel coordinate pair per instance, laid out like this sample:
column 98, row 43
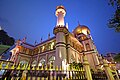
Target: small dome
column 81, row 29
column 60, row 7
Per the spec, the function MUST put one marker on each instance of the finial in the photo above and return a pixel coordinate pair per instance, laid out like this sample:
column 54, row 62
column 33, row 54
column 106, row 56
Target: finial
column 56, row 68
column 42, row 67
column 37, row 68
column 7, row 66
column 13, row 66
column 33, row 68
column 78, row 23
column 48, row 35
column 46, row 67
column 18, row 68
column 24, row 39
column 29, row 67
column 1, row 65
column 35, row 42
column 41, row 39
column 18, row 42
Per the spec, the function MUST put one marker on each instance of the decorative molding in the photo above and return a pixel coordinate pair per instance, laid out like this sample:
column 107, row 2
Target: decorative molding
column 60, row 29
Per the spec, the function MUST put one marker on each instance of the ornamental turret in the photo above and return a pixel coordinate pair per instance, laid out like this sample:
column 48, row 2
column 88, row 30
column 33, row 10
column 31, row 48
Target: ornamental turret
column 60, row 13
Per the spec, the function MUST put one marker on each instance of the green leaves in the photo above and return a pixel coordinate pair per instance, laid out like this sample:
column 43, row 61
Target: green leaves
column 117, row 57
column 5, row 39
column 76, row 66
column 114, row 22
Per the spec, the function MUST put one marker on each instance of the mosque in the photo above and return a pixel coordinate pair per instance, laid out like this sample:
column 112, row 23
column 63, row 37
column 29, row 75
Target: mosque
column 61, row 50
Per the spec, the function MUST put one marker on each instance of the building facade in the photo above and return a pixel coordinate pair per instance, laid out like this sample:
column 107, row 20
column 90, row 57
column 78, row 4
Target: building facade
column 61, row 50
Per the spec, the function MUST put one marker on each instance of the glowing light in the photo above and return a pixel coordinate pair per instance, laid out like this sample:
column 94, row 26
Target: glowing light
column 17, row 50
column 64, row 65
column 43, row 48
column 60, row 55
column 84, row 31
column 40, row 64
column 102, row 66
column 52, row 44
column 119, row 71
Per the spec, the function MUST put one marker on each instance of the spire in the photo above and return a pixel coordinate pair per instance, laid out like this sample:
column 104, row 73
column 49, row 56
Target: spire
column 35, row 42
column 48, row 35
column 41, row 39
column 78, row 23
column 24, row 39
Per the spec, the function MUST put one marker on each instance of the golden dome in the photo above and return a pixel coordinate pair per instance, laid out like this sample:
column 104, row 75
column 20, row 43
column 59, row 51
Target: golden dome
column 81, row 29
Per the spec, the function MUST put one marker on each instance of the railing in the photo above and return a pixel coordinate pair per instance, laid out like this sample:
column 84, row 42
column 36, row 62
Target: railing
column 13, row 72
column 44, row 74
column 99, row 75
column 56, row 75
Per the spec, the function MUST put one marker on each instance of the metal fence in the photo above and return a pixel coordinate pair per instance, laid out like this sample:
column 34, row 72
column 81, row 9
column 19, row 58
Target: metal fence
column 44, row 75
column 99, row 75
column 13, row 72
column 52, row 75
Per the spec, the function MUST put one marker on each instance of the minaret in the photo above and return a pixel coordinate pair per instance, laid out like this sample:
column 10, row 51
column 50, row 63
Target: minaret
column 60, row 32
column 60, row 13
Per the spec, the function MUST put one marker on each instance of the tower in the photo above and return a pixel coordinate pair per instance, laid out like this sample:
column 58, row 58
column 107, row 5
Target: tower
column 60, row 32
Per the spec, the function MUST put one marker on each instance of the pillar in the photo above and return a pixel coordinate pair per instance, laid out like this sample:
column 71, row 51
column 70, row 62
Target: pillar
column 108, row 70
column 87, row 68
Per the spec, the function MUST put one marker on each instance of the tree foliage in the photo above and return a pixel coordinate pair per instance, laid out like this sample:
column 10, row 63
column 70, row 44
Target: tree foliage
column 5, row 39
column 76, row 66
column 117, row 58
column 114, row 22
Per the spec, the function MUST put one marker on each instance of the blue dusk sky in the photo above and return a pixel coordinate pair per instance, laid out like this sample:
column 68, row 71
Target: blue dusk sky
column 36, row 18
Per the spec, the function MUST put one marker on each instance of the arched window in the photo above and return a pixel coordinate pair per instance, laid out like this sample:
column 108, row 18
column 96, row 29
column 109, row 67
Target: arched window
column 72, row 59
column 34, row 63
column 23, row 63
column 51, row 61
column 87, row 47
column 41, row 62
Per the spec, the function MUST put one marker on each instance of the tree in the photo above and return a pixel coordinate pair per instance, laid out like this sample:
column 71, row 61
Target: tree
column 76, row 66
column 5, row 39
column 117, row 58
column 114, row 22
